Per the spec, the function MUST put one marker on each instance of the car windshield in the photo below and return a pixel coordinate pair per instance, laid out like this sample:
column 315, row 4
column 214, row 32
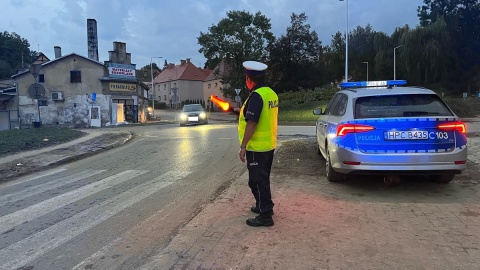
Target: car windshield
column 400, row 106
column 192, row 108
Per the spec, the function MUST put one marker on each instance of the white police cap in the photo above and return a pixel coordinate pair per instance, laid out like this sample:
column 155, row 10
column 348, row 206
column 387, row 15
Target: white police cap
column 254, row 67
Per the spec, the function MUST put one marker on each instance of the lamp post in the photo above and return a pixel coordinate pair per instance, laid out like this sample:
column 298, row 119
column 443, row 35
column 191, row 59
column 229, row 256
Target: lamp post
column 367, row 68
column 153, row 89
column 346, row 45
column 394, row 65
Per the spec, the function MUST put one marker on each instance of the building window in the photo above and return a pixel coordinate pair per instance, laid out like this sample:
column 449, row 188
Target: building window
column 41, row 78
column 209, row 85
column 75, row 76
column 216, row 85
column 165, row 87
column 174, row 84
column 164, row 97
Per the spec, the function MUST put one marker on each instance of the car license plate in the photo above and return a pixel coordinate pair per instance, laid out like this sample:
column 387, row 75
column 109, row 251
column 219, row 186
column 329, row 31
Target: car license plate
column 406, row 135
column 193, row 118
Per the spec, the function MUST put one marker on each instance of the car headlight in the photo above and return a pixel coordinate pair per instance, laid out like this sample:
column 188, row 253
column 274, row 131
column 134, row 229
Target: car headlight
column 183, row 116
column 203, row 115
column 150, row 109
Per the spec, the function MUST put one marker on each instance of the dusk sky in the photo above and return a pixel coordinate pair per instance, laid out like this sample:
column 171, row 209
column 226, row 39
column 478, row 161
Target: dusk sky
column 170, row 28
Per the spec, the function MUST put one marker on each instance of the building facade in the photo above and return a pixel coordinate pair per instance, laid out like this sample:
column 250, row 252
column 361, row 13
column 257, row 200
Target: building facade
column 62, row 98
column 179, row 83
column 76, row 91
column 213, row 85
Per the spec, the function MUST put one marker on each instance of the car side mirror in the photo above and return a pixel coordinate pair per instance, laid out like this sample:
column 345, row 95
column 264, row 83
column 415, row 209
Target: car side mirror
column 318, row 112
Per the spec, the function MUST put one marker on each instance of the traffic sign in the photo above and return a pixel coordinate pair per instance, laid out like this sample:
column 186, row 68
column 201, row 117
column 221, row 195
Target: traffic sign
column 238, row 99
column 36, row 91
column 238, row 91
column 35, row 69
column 174, row 98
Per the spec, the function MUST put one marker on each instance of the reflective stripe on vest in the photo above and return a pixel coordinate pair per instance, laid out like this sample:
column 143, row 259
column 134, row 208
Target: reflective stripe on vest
column 265, row 136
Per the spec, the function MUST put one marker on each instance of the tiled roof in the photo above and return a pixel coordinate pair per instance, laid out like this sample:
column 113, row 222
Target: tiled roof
column 185, row 71
column 221, row 70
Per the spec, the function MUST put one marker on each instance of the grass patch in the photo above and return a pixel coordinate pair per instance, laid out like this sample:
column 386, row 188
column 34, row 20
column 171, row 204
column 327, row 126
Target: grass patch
column 18, row 140
column 299, row 112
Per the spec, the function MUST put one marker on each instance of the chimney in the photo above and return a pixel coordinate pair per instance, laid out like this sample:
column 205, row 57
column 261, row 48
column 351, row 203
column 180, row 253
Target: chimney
column 58, row 51
column 171, row 65
column 92, row 39
column 188, row 60
column 182, row 62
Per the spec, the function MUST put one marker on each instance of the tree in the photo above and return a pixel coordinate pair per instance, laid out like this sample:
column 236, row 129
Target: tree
column 334, row 58
column 462, row 18
column 14, row 54
column 361, row 49
column 294, row 57
column 147, row 72
column 240, row 36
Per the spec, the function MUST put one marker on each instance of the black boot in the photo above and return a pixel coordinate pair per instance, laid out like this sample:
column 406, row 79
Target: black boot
column 255, row 210
column 264, row 219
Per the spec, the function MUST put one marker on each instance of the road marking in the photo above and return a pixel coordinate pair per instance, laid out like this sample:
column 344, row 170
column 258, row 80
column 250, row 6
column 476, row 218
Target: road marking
column 61, row 181
column 172, row 176
column 30, row 178
column 9, row 221
column 30, row 248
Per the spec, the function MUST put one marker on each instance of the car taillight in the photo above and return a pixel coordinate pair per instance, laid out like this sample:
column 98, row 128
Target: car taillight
column 343, row 129
column 455, row 126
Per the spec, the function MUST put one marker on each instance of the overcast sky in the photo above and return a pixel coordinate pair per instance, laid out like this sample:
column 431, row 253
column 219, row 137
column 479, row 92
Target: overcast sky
column 170, row 28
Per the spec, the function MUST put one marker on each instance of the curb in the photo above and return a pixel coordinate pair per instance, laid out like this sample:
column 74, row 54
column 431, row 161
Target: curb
column 35, row 163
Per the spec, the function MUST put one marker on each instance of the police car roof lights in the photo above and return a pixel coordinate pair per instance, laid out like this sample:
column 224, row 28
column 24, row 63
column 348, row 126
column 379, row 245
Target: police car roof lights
column 388, row 83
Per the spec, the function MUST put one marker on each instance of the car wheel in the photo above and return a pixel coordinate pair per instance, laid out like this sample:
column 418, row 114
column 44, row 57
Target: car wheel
column 442, row 178
column 332, row 176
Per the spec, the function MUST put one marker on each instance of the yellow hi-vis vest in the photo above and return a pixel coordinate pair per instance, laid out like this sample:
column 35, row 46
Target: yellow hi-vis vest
column 265, row 136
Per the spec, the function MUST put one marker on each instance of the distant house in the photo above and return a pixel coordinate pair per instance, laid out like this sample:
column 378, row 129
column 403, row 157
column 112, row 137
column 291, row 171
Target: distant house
column 212, row 85
column 128, row 97
column 178, row 83
column 66, row 83
column 76, row 91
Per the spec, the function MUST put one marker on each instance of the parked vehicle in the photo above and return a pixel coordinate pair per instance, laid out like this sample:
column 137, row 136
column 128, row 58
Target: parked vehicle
column 383, row 128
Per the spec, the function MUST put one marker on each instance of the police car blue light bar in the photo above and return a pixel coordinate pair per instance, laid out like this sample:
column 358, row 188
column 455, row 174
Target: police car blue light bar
column 372, row 83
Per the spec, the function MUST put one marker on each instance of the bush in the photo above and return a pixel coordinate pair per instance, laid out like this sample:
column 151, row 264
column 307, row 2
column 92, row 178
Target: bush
column 160, row 105
column 468, row 107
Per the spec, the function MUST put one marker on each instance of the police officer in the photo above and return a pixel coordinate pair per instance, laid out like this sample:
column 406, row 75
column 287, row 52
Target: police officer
column 257, row 133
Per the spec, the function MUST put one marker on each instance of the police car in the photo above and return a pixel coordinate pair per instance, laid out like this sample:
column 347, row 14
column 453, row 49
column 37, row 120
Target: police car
column 386, row 128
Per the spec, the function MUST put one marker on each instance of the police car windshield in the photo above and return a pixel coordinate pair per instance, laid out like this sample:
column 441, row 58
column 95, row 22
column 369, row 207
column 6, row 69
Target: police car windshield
column 389, row 106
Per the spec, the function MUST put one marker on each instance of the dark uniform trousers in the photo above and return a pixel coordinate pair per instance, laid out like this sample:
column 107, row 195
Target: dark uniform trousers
column 259, row 165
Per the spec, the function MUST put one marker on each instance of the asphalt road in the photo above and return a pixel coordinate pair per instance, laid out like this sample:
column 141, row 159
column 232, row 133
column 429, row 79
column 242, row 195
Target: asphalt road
column 167, row 194
column 149, row 188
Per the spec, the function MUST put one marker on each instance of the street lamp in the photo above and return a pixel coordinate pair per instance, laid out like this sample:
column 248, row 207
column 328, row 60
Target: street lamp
column 394, row 66
column 346, row 45
column 153, row 89
column 367, row 69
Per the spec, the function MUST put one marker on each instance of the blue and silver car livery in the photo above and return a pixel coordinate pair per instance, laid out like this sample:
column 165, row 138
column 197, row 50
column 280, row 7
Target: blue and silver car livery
column 390, row 131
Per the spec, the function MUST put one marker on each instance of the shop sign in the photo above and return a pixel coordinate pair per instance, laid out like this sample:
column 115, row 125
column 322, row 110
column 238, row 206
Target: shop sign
column 123, row 87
